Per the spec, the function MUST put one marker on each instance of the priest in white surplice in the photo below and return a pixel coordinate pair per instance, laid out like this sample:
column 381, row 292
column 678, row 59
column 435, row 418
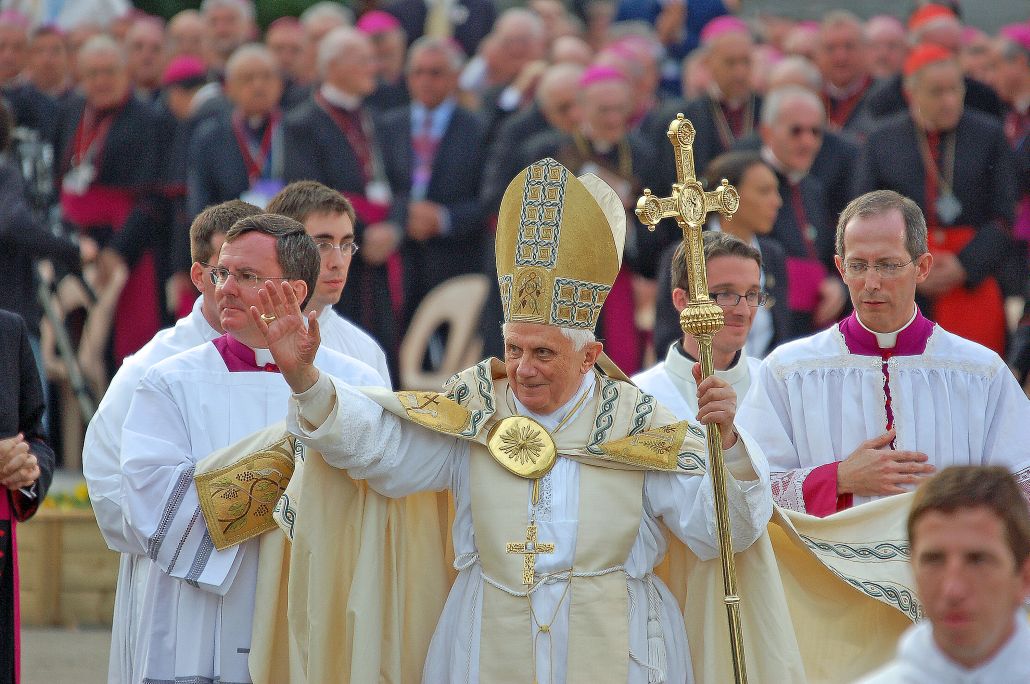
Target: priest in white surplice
column 734, row 271
column 329, row 218
column 565, row 479
column 101, row 461
column 870, row 406
column 195, row 618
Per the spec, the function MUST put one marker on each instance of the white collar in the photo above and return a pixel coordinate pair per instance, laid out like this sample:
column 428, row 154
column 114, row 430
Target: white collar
column 889, row 339
column 1009, row 664
column 339, row 98
column 682, row 367
column 551, row 420
column 772, row 160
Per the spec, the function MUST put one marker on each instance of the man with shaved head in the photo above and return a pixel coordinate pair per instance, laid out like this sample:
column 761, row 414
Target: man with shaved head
column 241, row 154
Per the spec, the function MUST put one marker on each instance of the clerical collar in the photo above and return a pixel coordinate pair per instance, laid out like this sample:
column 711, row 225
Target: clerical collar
column 338, row 98
column 681, row 364
column 239, row 357
column 716, row 94
column 909, row 340
column 847, row 90
column 772, row 160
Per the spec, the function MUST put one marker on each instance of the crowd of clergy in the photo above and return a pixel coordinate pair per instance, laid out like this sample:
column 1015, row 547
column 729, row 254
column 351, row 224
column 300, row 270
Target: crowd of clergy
column 874, row 282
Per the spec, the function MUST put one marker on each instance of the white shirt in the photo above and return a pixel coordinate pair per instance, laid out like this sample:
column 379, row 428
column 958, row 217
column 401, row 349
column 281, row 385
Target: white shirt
column 921, row 661
column 671, row 381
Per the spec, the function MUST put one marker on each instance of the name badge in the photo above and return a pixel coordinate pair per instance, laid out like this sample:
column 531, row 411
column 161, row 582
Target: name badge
column 79, row 178
column 378, row 192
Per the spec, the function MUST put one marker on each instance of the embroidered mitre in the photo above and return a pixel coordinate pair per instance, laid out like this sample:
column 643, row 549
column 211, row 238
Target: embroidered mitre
column 559, row 246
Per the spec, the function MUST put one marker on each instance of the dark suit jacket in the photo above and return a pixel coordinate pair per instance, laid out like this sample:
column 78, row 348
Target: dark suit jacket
column 503, row 159
column 21, row 411
column 708, row 145
column 217, row 172
column 667, row 321
column 985, row 181
column 472, row 20
column 886, row 98
column 456, row 171
column 834, row 166
column 316, row 149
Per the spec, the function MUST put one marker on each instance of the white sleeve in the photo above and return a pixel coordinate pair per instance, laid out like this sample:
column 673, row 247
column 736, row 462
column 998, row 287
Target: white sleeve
column 686, row 504
column 397, row 457
column 162, row 508
column 101, row 460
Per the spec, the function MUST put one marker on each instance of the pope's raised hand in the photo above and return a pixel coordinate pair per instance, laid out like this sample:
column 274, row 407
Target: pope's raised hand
column 292, row 341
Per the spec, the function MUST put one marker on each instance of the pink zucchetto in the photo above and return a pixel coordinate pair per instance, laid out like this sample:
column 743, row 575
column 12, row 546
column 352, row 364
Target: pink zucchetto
column 599, row 73
column 1017, row 33
column 377, row 21
column 183, row 69
column 723, row 25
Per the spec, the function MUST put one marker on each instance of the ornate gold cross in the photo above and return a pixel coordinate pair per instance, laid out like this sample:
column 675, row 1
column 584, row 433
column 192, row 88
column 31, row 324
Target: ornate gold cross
column 529, row 549
column 689, row 204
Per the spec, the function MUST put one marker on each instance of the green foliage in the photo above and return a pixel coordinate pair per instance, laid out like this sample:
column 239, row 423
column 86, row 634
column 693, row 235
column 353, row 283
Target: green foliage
column 267, row 10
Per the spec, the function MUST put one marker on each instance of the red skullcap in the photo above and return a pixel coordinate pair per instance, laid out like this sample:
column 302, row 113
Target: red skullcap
column 925, row 55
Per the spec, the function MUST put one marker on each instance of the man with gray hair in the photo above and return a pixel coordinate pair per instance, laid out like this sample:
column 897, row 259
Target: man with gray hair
column 793, row 123
column 230, row 24
column 240, row 154
column 332, row 138
column 196, row 611
column 106, row 161
column 871, row 406
column 846, row 79
column 434, row 164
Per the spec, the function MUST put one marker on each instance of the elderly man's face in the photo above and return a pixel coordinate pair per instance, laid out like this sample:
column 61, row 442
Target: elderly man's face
column 839, row 54
column 607, row 106
column 729, row 63
column 48, row 61
column 187, row 34
column 544, row 371
column 354, row 69
column 254, row 85
column 936, row 93
column 145, row 52
column 289, row 45
column 968, row 580
column 229, row 29
column 431, row 78
column 14, row 51
column 796, row 135
column 104, row 78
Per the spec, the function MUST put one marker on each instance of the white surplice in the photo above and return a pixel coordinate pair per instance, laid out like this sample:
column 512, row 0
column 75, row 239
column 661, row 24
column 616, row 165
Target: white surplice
column 671, row 381
column 101, row 466
column 921, row 661
column 398, row 458
column 813, row 402
column 343, row 336
column 195, row 618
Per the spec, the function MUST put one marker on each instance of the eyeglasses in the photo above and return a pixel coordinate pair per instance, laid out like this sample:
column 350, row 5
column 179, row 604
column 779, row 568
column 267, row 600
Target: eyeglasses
column 346, row 248
column 796, row 131
column 220, row 275
column 857, row 269
column 731, row 299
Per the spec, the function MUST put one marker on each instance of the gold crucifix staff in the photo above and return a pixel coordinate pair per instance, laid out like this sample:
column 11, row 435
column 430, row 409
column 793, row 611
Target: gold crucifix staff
column 689, row 204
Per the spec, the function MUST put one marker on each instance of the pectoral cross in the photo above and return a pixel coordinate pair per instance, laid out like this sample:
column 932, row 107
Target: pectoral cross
column 689, row 204
column 529, row 549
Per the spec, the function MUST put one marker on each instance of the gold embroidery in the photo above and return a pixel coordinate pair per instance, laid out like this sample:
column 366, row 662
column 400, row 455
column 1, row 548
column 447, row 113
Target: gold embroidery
column 237, row 500
column 529, row 549
column 655, row 448
column 434, row 411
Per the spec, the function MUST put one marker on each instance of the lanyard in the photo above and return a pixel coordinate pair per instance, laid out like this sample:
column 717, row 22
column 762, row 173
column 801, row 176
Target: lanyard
column 359, row 137
column 91, row 135
column 256, row 166
column 722, row 124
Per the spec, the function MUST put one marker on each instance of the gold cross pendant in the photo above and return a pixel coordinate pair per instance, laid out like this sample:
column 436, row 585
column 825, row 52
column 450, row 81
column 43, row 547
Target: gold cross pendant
column 529, row 549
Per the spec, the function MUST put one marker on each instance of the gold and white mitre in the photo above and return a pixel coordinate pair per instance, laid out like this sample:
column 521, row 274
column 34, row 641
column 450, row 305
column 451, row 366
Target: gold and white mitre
column 559, row 246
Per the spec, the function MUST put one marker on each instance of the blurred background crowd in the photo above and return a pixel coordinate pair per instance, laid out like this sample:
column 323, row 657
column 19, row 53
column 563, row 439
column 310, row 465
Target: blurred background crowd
column 121, row 123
